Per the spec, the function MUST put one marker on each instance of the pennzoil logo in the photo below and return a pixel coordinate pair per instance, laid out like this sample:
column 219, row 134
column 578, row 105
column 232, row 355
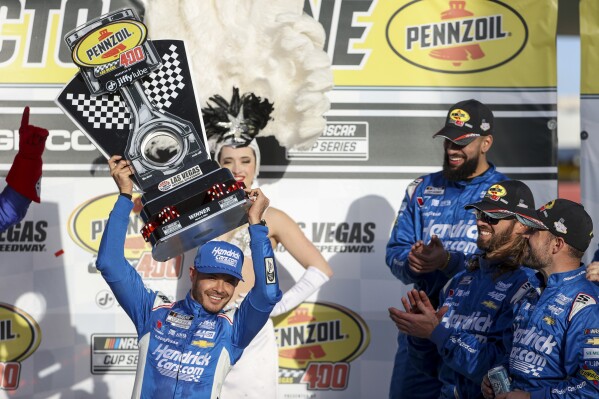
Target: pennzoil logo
column 459, row 117
column 87, row 224
column 457, row 36
column 20, row 336
column 495, row 192
column 106, row 44
column 318, row 338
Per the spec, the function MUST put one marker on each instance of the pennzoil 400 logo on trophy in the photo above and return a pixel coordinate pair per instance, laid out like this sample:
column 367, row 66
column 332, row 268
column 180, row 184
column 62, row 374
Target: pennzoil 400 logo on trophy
column 135, row 98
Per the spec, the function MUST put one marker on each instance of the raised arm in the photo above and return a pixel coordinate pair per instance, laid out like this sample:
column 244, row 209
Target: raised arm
column 255, row 309
column 123, row 279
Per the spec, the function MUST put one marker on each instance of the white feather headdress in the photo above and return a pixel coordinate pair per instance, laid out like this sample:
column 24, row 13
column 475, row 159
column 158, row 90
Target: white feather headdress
column 270, row 48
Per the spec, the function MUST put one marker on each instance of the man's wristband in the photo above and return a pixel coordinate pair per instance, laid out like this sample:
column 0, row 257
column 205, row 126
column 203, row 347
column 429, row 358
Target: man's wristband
column 128, row 196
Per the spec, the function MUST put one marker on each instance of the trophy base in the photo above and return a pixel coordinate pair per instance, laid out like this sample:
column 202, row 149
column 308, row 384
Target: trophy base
column 215, row 223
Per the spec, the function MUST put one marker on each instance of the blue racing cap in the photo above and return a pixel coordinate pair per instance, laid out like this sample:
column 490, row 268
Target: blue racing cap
column 219, row 257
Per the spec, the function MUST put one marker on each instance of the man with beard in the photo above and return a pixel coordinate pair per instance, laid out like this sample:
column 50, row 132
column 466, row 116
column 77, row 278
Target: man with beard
column 433, row 210
column 555, row 350
column 472, row 329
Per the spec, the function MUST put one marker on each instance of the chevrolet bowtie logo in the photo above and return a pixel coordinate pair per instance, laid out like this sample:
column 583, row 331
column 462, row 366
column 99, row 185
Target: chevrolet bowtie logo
column 203, row 344
column 593, row 341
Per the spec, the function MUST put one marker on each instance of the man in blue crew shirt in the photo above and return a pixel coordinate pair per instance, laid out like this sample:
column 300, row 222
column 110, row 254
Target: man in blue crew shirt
column 433, row 212
column 555, row 349
column 187, row 347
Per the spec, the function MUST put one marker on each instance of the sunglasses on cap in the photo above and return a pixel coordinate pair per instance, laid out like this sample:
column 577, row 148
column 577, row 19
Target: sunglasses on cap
column 480, row 215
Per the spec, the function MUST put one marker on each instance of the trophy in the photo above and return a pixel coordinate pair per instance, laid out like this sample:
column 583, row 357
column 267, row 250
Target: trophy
column 135, row 98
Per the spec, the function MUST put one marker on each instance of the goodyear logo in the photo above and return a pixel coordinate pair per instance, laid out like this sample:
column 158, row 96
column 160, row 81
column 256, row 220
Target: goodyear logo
column 322, row 332
column 590, row 375
column 105, row 44
column 20, row 335
column 457, row 36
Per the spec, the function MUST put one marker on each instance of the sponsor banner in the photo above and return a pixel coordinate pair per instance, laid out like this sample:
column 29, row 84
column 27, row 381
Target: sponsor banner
column 114, row 354
column 344, row 192
column 20, row 336
column 317, row 342
column 87, row 223
column 441, row 42
column 589, row 123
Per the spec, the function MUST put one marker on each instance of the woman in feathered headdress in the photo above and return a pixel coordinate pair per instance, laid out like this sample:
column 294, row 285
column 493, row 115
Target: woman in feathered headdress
column 270, row 51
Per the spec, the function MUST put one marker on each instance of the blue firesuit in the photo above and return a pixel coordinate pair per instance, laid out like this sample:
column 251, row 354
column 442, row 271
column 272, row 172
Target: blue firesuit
column 185, row 351
column 432, row 205
column 555, row 350
column 476, row 331
column 13, row 207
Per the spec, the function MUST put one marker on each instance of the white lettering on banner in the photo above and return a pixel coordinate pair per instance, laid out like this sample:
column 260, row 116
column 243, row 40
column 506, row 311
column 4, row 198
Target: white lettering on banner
column 58, row 140
column 474, row 322
column 532, row 338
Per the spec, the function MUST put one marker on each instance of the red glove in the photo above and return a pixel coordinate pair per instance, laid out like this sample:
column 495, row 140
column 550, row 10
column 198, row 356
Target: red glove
column 26, row 172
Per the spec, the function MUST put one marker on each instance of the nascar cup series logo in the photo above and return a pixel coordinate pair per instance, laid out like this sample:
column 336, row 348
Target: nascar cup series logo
column 87, row 224
column 457, row 36
column 20, row 335
column 317, row 341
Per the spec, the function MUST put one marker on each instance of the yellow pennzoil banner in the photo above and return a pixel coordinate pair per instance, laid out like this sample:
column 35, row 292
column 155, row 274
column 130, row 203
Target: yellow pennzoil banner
column 398, row 66
column 589, row 105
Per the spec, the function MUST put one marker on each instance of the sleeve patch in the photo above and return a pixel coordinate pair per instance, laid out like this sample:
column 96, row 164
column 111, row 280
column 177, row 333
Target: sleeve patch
column 582, row 301
column 523, row 290
column 162, row 301
column 412, row 187
column 269, row 265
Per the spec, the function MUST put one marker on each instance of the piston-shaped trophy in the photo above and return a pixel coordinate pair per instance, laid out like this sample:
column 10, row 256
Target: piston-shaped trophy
column 134, row 97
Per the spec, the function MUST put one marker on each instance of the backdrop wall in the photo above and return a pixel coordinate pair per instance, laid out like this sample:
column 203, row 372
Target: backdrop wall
column 398, row 67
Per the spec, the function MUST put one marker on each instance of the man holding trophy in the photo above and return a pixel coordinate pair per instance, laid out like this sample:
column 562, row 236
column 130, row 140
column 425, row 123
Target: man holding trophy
column 194, row 361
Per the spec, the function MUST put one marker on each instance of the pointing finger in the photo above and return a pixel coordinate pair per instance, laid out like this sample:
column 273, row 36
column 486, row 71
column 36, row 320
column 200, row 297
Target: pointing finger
column 25, row 118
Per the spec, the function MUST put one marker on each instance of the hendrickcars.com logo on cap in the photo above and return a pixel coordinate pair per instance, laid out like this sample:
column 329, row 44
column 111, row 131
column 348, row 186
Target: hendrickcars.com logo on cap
column 457, row 36
column 20, row 336
column 317, row 341
column 87, row 224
